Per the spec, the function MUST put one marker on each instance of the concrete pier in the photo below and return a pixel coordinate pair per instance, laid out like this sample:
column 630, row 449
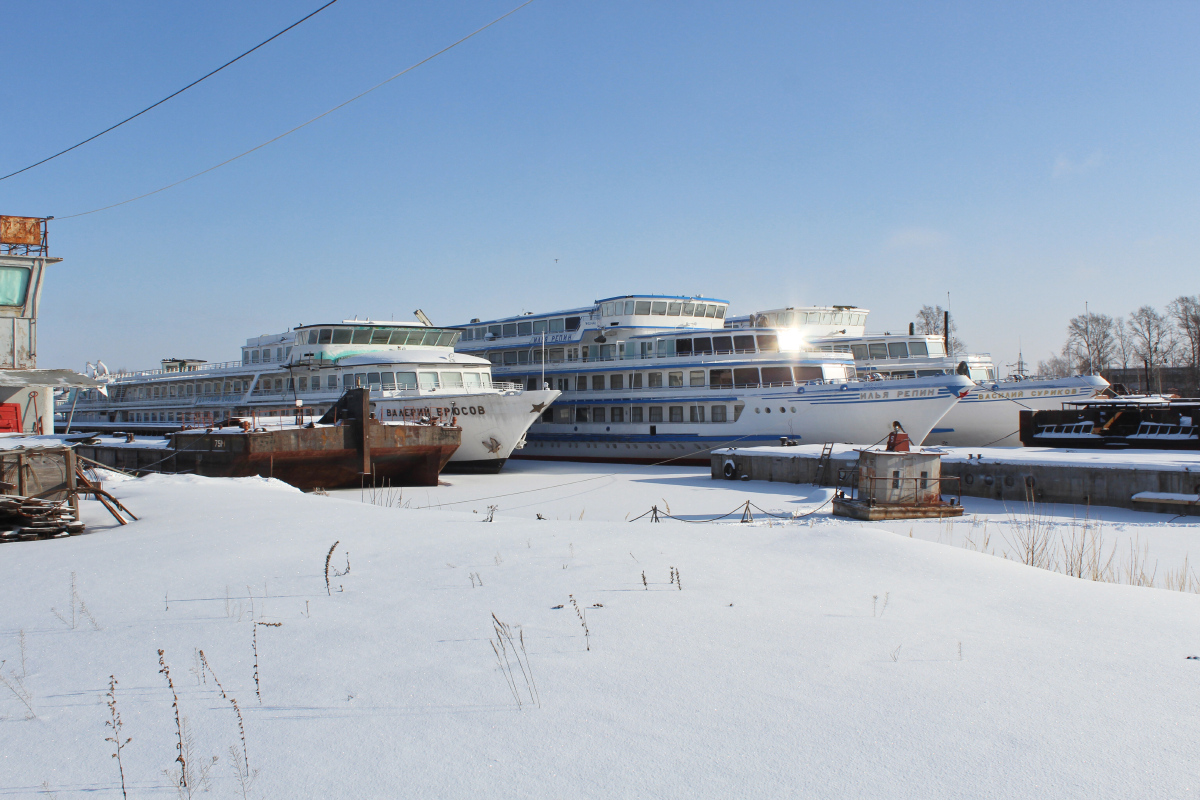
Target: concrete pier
column 1148, row 480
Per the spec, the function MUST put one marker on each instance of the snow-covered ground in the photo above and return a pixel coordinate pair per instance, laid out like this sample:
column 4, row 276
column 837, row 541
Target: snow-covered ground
column 819, row 658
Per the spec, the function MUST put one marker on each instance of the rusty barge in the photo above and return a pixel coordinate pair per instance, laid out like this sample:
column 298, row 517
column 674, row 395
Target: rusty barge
column 344, row 448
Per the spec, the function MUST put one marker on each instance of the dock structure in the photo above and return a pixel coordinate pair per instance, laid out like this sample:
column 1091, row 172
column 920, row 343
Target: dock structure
column 1147, row 480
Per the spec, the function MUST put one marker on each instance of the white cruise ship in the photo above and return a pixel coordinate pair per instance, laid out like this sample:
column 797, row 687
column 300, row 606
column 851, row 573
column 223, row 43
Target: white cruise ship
column 987, row 417
column 411, row 369
column 649, row 378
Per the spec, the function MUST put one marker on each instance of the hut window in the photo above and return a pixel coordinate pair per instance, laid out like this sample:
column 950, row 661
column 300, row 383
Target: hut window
column 14, row 285
column 895, row 479
column 924, row 480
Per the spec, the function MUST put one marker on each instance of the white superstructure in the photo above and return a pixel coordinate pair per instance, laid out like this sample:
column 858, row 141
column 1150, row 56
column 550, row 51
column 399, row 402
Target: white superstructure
column 652, row 378
column 411, row 370
column 987, row 416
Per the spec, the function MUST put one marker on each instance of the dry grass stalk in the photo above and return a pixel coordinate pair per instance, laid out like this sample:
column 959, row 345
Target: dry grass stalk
column 240, row 761
column 254, row 647
column 16, row 684
column 583, row 621
column 76, row 603
column 502, row 646
column 114, row 722
column 182, row 783
column 328, row 556
column 645, row 585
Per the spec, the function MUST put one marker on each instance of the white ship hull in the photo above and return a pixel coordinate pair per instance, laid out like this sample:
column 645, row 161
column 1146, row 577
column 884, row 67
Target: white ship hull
column 990, row 415
column 855, row 413
column 493, row 424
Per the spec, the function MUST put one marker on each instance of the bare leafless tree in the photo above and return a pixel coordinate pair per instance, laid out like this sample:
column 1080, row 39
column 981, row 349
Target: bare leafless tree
column 1185, row 313
column 1090, row 342
column 1151, row 337
column 930, row 321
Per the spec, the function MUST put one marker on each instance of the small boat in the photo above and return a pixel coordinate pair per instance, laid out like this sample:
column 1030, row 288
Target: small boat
column 1145, row 423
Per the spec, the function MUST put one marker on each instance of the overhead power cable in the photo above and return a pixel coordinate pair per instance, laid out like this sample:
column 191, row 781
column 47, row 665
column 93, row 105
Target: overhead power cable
column 309, row 122
column 168, row 97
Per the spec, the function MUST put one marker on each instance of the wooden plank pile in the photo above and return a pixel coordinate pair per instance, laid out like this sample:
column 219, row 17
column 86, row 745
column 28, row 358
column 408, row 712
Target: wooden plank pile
column 28, row 518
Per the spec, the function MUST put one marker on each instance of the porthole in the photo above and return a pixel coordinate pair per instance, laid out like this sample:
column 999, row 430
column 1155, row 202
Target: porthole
column 1008, row 480
column 757, row 411
column 793, row 409
column 968, row 479
column 782, row 410
column 988, row 480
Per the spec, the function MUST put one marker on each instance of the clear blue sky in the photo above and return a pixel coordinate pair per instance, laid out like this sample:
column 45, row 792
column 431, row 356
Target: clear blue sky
column 1024, row 157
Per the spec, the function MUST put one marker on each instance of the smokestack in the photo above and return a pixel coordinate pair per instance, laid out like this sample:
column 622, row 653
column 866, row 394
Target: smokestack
column 912, row 329
column 946, row 330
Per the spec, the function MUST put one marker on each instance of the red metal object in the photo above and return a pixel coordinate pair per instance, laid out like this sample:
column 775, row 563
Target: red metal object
column 10, row 418
column 898, row 442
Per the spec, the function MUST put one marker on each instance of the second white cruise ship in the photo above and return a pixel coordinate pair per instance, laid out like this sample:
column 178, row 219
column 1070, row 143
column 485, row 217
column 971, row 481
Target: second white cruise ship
column 650, row 378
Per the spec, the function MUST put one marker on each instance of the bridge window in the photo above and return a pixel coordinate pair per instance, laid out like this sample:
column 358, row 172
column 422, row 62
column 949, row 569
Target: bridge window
column 380, row 335
column 720, row 378
column 360, row 336
column 683, row 347
column 427, row 380
column 877, row 350
column 860, row 351
column 659, row 308
column 629, row 304
column 471, row 380
column 253, row 356
column 642, row 308
column 572, row 323
column 689, row 309
column 915, row 350
column 673, row 309
column 452, row 380
column 897, row 350
column 524, row 329
column 557, row 326
column 510, row 357
column 539, row 326
column 702, row 345
column 495, row 331
column 723, row 344
column 406, row 380
column 743, row 344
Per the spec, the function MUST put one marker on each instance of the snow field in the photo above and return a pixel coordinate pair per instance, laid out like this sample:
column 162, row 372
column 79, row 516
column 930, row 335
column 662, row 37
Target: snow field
column 794, row 661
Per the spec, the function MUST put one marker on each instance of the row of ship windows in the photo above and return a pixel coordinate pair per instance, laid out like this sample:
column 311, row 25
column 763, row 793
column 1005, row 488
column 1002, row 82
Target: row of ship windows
column 374, row 380
column 661, row 308
column 660, row 348
column 707, row 413
column 920, row 348
column 713, row 378
column 646, row 308
column 428, row 337
column 263, row 356
column 788, row 319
